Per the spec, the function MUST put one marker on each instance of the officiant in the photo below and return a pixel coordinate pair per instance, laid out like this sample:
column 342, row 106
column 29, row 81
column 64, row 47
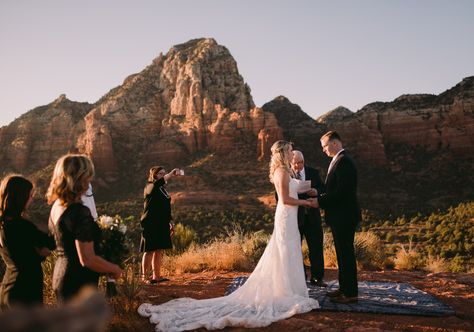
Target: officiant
column 309, row 219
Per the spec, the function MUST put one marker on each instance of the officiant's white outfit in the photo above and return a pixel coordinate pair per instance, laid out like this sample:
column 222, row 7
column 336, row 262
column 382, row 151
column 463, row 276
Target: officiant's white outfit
column 275, row 290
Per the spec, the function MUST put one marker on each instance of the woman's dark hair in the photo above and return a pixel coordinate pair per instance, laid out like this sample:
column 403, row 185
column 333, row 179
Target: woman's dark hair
column 15, row 192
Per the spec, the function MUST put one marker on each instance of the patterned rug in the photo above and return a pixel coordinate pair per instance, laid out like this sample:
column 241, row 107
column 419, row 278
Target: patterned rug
column 376, row 297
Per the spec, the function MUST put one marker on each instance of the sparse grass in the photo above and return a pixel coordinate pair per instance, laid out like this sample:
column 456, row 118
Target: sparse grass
column 368, row 247
column 369, row 251
column 436, row 264
column 330, row 258
column 237, row 252
column 408, row 259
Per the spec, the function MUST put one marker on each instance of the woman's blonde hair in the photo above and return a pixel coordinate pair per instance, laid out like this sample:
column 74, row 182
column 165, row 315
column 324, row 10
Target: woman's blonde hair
column 280, row 157
column 71, row 178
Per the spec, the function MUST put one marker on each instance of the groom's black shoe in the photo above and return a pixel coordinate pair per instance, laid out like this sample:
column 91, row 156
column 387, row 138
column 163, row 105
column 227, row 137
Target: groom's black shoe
column 317, row 282
column 344, row 299
column 334, row 293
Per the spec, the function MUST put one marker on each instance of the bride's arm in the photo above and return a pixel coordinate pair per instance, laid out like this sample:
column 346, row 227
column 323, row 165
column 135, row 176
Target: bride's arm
column 281, row 179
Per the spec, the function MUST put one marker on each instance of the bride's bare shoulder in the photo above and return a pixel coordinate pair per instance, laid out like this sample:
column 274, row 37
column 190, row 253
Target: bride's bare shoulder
column 281, row 173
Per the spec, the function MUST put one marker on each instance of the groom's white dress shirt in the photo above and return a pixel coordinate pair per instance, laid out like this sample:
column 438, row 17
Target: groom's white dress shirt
column 333, row 161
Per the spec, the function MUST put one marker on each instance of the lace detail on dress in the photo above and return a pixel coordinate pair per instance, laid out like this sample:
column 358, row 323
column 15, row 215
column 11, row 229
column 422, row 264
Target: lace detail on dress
column 275, row 290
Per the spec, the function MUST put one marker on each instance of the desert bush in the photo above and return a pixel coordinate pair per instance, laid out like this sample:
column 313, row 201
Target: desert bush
column 254, row 245
column 217, row 255
column 407, row 259
column 305, row 251
column 235, row 252
column 182, row 239
column 436, row 264
column 330, row 258
column 129, row 286
column 458, row 264
column 369, row 250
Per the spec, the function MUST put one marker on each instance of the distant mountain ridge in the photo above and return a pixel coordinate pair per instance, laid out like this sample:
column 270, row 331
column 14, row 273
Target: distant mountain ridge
column 416, row 152
column 192, row 102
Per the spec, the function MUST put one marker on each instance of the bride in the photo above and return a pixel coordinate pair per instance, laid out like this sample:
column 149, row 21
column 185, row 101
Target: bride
column 275, row 290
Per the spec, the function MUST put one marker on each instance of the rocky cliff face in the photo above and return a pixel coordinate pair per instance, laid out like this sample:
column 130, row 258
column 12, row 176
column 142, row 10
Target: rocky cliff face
column 434, row 124
column 42, row 135
column 189, row 100
column 192, row 99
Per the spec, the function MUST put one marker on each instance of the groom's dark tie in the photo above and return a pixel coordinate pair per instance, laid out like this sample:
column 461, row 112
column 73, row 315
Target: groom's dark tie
column 298, row 175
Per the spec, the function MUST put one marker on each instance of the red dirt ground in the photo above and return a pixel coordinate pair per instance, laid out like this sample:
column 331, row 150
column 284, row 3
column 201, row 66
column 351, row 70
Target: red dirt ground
column 455, row 290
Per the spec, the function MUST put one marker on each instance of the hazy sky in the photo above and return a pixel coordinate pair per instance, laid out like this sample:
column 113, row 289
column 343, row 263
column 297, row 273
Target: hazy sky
column 319, row 54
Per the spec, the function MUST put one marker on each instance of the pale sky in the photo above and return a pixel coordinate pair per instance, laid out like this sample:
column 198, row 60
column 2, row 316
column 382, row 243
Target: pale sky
column 319, row 54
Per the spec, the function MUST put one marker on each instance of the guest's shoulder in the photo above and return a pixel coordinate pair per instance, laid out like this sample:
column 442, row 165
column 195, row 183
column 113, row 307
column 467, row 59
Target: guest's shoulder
column 80, row 211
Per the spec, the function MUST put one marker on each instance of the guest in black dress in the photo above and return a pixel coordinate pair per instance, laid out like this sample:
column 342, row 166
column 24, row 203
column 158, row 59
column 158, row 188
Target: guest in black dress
column 22, row 245
column 76, row 233
column 156, row 223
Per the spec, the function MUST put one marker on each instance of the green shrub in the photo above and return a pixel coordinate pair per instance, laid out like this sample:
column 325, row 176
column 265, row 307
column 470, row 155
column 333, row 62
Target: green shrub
column 182, row 239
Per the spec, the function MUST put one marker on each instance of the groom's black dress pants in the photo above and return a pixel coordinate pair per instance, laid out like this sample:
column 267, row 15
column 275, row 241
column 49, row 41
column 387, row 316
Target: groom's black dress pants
column 344, row 243
column 310, row 228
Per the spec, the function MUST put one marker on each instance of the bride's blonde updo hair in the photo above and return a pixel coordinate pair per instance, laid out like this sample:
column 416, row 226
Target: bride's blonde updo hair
column 281, row 157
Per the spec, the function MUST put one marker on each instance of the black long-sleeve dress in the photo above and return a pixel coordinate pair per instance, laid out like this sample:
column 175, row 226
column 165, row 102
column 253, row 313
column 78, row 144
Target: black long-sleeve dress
column 156, row 217
column 75, row 223
column 23, row 279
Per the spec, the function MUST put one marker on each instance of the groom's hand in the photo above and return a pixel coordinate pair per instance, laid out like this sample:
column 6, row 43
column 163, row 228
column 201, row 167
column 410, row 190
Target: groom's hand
column 312, row 192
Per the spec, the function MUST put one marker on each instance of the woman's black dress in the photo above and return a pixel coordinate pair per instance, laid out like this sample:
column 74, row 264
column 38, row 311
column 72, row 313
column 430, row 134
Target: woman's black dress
column 76, row 223
column 23, row 279
column 156, row 217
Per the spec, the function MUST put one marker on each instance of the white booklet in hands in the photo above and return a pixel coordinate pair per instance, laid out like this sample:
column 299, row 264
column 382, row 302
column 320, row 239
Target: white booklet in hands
column 303, row 186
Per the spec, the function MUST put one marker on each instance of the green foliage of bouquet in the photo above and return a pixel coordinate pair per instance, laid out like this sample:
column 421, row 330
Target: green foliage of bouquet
column 113, row 245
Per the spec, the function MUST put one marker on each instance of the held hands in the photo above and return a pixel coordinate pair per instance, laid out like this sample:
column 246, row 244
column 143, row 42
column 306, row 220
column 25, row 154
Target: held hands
column 311, row 203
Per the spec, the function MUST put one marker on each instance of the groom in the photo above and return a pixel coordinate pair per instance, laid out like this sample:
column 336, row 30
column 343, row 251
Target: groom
column 309, row 219
column 342, row 214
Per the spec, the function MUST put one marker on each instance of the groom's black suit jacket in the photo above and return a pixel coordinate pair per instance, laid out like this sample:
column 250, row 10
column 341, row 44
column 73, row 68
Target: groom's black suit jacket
column 339, row 202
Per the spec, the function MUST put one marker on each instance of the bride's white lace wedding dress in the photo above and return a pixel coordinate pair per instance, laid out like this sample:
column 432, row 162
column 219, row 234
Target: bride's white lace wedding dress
column 275, row 290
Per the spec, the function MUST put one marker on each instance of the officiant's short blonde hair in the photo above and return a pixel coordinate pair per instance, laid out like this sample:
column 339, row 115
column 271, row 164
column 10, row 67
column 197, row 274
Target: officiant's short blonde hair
column 280, row 157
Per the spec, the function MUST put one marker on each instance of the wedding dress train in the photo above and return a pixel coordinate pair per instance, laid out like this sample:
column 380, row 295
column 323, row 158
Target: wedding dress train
column 275, row 290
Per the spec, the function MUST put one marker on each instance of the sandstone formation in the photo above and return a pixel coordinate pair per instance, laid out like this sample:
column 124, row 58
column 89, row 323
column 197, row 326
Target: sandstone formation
column 435, row 124
column 190, row 100
column 39, row 137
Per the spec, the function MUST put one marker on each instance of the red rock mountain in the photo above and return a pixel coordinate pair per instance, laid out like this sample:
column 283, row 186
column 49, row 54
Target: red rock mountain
column 191, row 107
column 192, row 99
